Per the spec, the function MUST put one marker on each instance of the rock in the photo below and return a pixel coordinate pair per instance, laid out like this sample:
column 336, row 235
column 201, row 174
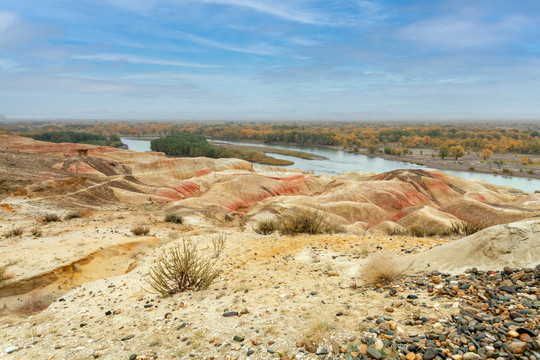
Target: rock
column 374, row 354
column 410, row 356
column 430, row 353
column 250, row 352
column 230, row 313
column 508, row 289
column 517, row 347
column 132, row 356
column 11, row 349
column 238, row 338
column 128, row 337
column 470, row 356
column 321, row 351
column 310, row 347
column 523, row 330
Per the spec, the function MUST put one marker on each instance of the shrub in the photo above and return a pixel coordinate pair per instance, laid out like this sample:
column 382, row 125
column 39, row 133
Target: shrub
column 36, row 302
column 36, row 232
column 380, row 267
column 219, row 243
column 180, row 268
column 420, row 231
column 14, row 232
column 507, row 171
column 72, row 215
column 140, row 230
column 173, row 218
column 2, row 272
column 307, row 222
column 530, row 171
column 266, row 227
column 51, row 218
column 465, row 228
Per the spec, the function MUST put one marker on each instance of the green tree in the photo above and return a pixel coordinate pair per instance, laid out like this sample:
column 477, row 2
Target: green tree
column 443, row 152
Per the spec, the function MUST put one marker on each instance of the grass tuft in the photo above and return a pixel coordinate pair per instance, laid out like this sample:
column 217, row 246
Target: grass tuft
column 14, row 232
column 173, row 218
column 51, row 218
column 266, row 227
column 379, row 268
column 72, row 215
column 140, row 230
column 307, row 222
column 465, row 228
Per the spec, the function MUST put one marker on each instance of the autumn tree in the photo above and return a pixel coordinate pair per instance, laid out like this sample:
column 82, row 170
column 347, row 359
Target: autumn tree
column 443, row 152
column 486, row 154
column 457, row 151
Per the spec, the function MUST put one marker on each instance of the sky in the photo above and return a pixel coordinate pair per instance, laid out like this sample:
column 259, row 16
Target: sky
column 270, row 59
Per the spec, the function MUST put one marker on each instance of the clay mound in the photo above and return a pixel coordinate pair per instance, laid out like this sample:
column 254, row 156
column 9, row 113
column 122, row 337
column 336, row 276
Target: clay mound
column 515, row 245
column 387, row 228
column 430, row 219
column 476, row 211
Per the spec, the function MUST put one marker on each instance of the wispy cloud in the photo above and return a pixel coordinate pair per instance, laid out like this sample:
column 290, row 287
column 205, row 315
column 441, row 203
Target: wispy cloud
column 139, row 60
column 282, row 10
column 260, row 49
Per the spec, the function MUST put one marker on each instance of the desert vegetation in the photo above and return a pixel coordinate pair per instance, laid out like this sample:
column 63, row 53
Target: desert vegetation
column 76, row 137
column 173, row 218
column 380, row 267
column 182, row 267
column 306, row 221
column 139, row 230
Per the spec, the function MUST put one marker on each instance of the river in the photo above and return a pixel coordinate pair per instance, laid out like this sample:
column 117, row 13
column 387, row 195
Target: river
column 341, row 161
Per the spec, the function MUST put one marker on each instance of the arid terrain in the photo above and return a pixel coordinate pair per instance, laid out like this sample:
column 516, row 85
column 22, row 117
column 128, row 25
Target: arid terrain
column 75, row 276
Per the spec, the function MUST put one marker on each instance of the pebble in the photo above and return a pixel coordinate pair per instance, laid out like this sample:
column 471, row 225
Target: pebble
column 374, row 354
column 11, row 349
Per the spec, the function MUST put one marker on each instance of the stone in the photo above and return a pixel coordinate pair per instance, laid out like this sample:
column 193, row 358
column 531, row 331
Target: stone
column 132, row 356
column 321, row 351
column 11, row 349
column 470, row 356
column 250, row 352
column 517, row 347
column 310, row 347
column 430, row 353
column 507, row 289
column 230, row 313
column 238, row 338
column 128, row 337
column 410, row 356
column 374, row 354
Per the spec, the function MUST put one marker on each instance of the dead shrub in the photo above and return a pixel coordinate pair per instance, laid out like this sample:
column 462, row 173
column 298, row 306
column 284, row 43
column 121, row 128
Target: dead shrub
column 420, row 231
column 14, row 232
column 219, row 243
column 380, row 267
column 140, row 230
column 35, row 303
column 2, row 272
column 307, row 222
column 173, row 218
column 36, row 232
column 181, row 268
column 266, row 227
column 51, row 218
column 72, row 215
column 466, row 228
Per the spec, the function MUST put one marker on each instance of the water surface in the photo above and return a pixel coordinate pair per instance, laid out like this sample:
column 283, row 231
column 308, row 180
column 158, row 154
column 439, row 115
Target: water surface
column 341, row 161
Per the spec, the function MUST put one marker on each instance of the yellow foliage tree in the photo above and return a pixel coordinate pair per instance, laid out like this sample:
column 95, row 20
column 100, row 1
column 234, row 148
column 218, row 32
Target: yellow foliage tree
column 457, row 151
column 486, row 154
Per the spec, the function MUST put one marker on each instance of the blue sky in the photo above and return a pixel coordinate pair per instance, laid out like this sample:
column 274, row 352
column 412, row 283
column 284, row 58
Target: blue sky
column 279, row 59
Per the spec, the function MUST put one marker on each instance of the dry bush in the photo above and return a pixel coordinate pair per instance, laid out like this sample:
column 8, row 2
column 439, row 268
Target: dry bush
column 420, row 231
column 140, row 230
column 182, row 267
column 219, row 243
column 2, row 272
column 36, row 232
column 35, row 303
column 14, row 232
column 173, row 218
column 266, row 227
column 307, row 222
column 51, row 218
column 72, row 215
column 380, row 267
column 465, row 228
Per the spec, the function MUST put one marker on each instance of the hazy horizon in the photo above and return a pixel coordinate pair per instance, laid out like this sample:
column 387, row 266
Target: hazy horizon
column 241, row 60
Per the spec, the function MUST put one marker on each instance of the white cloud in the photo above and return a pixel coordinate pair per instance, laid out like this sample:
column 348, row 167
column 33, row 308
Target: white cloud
column 460, row 31
column 7, row 20
column 261, row 49
column 139, row 60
